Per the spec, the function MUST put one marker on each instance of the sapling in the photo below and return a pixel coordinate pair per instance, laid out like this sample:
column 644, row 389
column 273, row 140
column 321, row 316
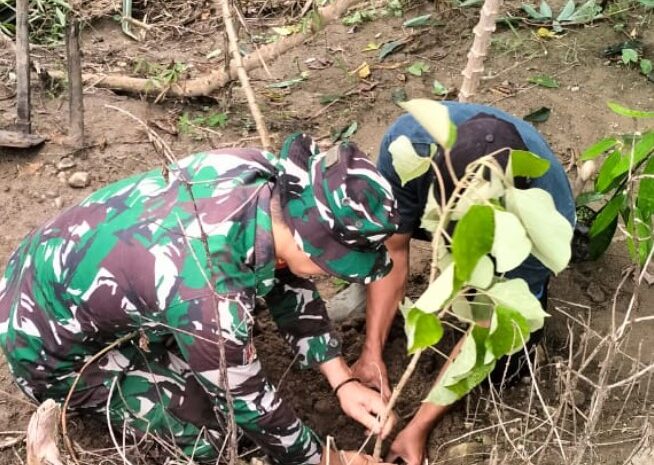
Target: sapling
column 496, row 226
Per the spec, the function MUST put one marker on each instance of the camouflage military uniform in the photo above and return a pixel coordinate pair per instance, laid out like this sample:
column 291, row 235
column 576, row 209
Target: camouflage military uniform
column 131, row 257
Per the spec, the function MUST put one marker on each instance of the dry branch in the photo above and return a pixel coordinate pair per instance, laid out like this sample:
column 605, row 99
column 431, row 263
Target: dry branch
column 75, row 98
column 243, row 76
column 206, row 84
column 42, row 435
column 483, row 32
column 22, row 67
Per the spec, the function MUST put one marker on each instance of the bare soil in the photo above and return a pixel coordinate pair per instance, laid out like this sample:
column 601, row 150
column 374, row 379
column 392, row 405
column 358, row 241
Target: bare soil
column 33, row 189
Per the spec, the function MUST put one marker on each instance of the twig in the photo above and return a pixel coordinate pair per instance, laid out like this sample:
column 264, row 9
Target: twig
column 64, row 429
column 75, row 99
column 243, row 76
column 394, row 396
column 23, row 103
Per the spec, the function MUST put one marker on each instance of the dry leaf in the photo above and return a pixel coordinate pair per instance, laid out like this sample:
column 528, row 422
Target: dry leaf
column 363, row 71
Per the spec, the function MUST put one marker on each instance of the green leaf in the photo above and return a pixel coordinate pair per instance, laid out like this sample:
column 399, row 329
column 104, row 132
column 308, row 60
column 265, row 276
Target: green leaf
column 567, row 11
column 538, row 116
column 607, row 215
column 461, row 307
column 544, row 80
column 528, row 164
column 418, row 68
column 605, row 176
column 438, row 89
column 545, row 9
column 629, row 55
column 647, row 3
column 585, row 13
column 217, row 120
column 531, row 11
column 438, row 292
column 422, row 330
column 463, row 363
column 515, row 294
column 645, row 199
column 418, row 21
column 479, row 191
column 639, row 228
column 431, row 214
column 599, row 148
column 624, row 111
column 588, row 197
column 407, row 163
column 511, row 245
column 599, row 243
column 643, row 148
column 434, row 117
column 482, row 275
column 472, row 239
column 442, row 395
column 646, row 66
column 548, row 230
column 286, row 84
column 507, row 332
column 390, row 47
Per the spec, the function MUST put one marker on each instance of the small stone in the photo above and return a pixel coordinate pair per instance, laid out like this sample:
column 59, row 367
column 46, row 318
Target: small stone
column 51, row 194
column 79, row 179
column 574, row 89
column 66, row 163
column 58, row 203
column 323, row 406
column 595, row 292
column 526, row 380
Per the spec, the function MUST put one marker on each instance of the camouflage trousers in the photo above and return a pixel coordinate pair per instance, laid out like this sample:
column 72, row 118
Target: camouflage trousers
column 152, row 393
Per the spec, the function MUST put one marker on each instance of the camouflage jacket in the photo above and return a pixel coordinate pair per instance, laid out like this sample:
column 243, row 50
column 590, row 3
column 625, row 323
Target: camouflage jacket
column 131, row 256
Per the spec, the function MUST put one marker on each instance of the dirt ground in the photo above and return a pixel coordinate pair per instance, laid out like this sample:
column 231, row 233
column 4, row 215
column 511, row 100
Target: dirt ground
column 33, row 189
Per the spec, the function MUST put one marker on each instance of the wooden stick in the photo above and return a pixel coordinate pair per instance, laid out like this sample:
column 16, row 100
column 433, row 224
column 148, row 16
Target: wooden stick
column 23, row 122
column 42, row 435
column 475, row 66
column 243, row 76
column 206, row 84
column 75, row 97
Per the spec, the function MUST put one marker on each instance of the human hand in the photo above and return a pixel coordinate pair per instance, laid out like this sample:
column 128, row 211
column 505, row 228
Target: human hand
column 365, row 406
column 371, row 370
column 409, row 446
column 347, row 457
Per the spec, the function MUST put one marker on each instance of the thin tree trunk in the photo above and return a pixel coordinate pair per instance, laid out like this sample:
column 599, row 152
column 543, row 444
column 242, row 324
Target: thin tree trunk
column 475, row 66
column 23, row 122
column 75, row 90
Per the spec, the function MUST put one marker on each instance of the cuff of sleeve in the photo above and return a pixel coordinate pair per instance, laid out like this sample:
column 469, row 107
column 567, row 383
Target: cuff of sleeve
column 318, row 349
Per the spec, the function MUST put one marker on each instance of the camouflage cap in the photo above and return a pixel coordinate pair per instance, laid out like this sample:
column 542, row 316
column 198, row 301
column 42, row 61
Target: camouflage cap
column 339, row 208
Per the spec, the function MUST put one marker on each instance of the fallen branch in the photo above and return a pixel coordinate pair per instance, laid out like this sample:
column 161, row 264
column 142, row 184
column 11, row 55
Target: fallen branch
column 42, row 435
column 206, row 84
column 243, row 76
column 475, row 65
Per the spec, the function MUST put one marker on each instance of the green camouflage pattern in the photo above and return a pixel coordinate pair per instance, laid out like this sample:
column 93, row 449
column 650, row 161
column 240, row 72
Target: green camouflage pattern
column 131, row 257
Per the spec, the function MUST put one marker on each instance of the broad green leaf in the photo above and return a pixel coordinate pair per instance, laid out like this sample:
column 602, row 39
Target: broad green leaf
column 472, row 239
column 480, row 191
column 647, row 3
column 548, row 230
column 515, row 294
column 640, row 238
column 528, row 164
column 531, row 11
column 545, row 80
column 461, row 307
column 511, row 246
column 599, row 243
column 545, row 9
column 418, row 68
column 390, row 48
column 418, row 21
column 407, row 163
column 432, row 213
column 588, row 197
column 624, row 111
column 599, row 148
column 606, row 215
column 629, row 55
column 438, row 292
column 482, row 275
column 538, row 116
column 422, row 330
column 567, row 11
column 585, row 13
column 605, row 178
column 463, row 363
column 433, row 117
column 438, row 89
column 643, row 148
column 645, row 200
column 507, row 332
column 646, row 66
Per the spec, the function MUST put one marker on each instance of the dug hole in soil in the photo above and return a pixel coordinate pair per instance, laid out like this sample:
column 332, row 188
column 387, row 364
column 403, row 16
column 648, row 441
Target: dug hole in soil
column 33, row 188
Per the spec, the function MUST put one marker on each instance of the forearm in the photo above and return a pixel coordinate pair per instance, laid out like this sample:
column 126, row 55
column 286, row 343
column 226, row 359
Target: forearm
column 335, row 371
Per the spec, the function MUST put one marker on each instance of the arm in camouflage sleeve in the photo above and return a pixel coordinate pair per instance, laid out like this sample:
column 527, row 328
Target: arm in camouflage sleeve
column 302, row 319
column 259, row 411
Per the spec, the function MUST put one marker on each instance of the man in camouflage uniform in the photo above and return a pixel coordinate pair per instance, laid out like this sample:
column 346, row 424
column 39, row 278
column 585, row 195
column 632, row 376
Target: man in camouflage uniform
column 180, row 257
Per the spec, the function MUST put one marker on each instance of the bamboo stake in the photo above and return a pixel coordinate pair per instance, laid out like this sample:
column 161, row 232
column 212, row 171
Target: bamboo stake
column 243, row 76
column 75, row 98
column 23, row 122
column 475, row 65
